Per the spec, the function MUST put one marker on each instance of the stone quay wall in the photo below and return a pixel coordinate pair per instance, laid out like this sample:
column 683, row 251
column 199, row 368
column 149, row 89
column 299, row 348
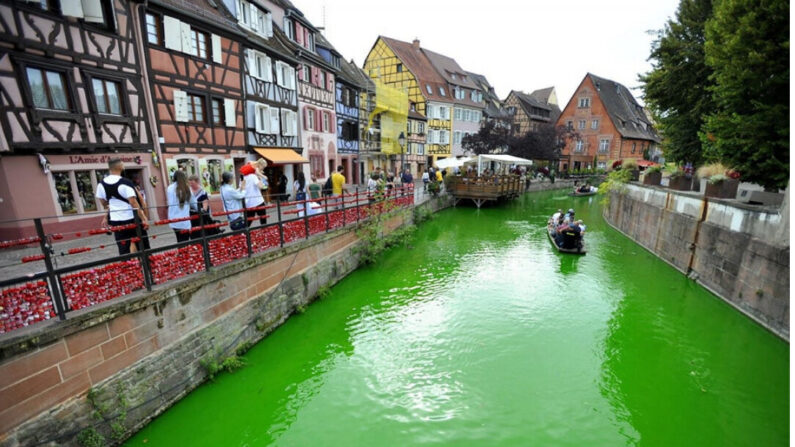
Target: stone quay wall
column 738, row 252
column 146, row 349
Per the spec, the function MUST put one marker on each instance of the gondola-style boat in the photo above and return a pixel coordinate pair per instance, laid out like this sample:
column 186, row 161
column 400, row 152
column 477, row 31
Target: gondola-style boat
column 580, row 250
column 583, row 194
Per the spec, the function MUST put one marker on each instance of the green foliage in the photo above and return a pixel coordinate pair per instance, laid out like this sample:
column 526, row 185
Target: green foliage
column 374, row 242
column 421, row 214
column 323, row 292
column 212, row 366
column 747, row 47
column 677, row 87
column 653, row 169
column 232, row 364
column 243, row 348
column 616, row 182
column 434, row 187
column 90, row 437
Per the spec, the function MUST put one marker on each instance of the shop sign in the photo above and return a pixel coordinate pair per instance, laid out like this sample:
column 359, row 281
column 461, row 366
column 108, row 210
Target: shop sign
column 94, row 159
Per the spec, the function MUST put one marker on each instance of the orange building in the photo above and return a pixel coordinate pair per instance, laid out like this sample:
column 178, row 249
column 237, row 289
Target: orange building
column 610, row 123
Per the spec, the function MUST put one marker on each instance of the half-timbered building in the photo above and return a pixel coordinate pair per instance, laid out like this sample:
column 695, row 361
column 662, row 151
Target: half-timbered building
column 351, row 82
column 71, row 97
column 270, row 89
column 194, row 69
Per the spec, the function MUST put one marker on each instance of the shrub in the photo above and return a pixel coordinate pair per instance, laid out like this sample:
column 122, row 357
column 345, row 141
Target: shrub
column 712, row 169
column 629, row 165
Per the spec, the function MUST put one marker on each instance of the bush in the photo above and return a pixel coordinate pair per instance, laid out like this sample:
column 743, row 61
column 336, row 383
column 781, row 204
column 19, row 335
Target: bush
column 653, row 169
column 629, row 165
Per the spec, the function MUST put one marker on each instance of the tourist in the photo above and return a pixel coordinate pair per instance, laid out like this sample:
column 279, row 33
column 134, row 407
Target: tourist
column 407, row 179
column 390, row 183
column 232, row 198
column 556, row 217
column 281, row 188
column 118, row 196
column 315, row 189
column 201, row 209
column 180, row 201
column 582, row 227
column 372, row 186
column 254, row 185
column 299, row 186
column 338, row 185
column 569, row 216
column 426, row 178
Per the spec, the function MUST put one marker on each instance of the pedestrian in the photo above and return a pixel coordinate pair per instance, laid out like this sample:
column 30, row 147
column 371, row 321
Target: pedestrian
column 254, row 184
column 201, row 210
column 314, row 189
column 426, row 178
column 338, row 183
column 407, row 180
column 299, row 186
column 180, row 201
column 372, row 186
column 232, row 198
column 281, row 187
column 118, row 196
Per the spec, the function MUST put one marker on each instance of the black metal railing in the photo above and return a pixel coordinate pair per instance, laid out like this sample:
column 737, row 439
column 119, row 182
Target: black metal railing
column 34, row 288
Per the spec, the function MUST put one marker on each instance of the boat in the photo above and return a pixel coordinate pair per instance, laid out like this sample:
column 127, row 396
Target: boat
column 574, row 251
column 583, row 194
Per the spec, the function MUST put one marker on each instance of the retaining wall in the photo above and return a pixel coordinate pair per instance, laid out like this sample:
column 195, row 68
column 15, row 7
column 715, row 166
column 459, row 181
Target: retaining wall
column 147, row 347
column 739, row 252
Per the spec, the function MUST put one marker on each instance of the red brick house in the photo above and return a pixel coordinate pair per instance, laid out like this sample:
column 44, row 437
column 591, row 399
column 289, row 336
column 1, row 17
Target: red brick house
column 610, row 123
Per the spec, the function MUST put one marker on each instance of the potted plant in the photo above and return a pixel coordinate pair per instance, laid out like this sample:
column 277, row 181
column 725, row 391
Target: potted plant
column 722, row 183
column 679, row 180
column 653, row 175
column 631, row 166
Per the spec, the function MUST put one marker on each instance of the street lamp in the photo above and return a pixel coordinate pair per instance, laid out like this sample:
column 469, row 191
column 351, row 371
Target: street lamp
column 402, row 143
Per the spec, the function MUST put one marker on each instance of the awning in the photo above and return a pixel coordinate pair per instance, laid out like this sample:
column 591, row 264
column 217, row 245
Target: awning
column 451, row 162
column 280, row 156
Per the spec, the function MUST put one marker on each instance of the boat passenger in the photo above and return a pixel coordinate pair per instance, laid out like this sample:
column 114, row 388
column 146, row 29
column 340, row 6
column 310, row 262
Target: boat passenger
column 582, row 227
column 584, row 188
column 569, row 217
column 572, row 237
column 556, row 217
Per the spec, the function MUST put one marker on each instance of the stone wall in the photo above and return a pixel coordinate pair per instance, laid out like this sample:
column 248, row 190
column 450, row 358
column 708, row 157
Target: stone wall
column 146, row 348
column 734, row 250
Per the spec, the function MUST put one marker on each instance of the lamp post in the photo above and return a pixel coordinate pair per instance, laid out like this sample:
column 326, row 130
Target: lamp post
column 402, row 143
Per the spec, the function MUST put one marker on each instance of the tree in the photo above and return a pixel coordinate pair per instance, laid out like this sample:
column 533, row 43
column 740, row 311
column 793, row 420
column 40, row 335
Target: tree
column 545, row 143
column 492, row 137
column 747, row 48
column 677, row 89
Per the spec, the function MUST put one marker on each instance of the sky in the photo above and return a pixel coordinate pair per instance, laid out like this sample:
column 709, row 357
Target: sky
column 518, row 45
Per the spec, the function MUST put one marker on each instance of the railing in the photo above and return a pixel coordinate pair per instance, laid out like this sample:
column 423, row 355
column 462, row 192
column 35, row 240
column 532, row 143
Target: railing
column 486, row 187
column 34, row 289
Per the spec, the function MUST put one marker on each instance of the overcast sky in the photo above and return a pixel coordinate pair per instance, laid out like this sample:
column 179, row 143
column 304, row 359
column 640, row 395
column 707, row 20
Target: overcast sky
column 517, row 45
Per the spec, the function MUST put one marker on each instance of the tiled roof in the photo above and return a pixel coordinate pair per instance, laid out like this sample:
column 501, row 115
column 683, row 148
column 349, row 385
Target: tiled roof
column 417, row 115
column 352, row 74
column 447, row 68
column 493, row 107
column 203, row 11
column 627, row 115
column 418, row 64
column 542, row 94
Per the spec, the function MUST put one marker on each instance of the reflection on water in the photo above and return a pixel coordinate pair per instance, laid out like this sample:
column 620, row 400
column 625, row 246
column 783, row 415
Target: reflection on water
column 482, row 334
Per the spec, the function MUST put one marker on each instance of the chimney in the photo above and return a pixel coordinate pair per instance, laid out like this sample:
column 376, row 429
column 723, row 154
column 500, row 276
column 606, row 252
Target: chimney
column 416, row 43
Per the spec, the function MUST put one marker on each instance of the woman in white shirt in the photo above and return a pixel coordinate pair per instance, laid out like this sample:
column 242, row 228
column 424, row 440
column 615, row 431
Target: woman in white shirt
column 232, row 197
column 180, row 200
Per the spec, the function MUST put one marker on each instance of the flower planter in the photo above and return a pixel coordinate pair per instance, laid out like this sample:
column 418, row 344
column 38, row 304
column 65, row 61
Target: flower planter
column 652, row 178
column 635, row 174
column 680, row 183
column 726, row 189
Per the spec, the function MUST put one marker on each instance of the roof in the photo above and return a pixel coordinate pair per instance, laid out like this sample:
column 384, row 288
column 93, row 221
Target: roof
column 204, row 11
column 273, row 44
column 421, row 67
column 302, row 53
column 493, row 103
column 413, row 114
column 542, row 94
column 353, row 75
column 529, row 101
column 627, row 115
column 449, row 69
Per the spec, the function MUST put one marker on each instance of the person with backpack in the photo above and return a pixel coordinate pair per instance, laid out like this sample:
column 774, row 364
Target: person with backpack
column 119, row 197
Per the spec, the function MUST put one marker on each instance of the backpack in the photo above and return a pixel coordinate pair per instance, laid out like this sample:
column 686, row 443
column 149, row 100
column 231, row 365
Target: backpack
column 327, row 187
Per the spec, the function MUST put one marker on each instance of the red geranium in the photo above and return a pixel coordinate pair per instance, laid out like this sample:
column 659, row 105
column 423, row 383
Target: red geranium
column 732, row 174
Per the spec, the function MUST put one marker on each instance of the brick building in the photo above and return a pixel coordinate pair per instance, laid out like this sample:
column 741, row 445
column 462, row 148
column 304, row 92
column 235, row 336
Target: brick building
column 610, row 123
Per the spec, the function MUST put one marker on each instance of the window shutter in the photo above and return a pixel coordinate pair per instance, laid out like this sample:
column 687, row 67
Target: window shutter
column 172, row 29
column 229, row 112
column 269, row 69
column 252, row 62
column 217, row 52
column 293, row 124
column 279, row 74
column 285, row 116
column 306, row 39
column 291, row 74
column 184, row 34
column 269, row 25
column 71, row 8
column 330, row 82
column 306, row 119
column 274, row 118
column 92, row 11
column 252, row 16
column 319, row 120
column 180, row 106
column 299, row 33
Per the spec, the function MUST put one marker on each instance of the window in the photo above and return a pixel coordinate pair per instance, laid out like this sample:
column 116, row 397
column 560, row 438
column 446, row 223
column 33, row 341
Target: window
column 321, row 76
column 218, row 112
column 154, row 29
column 585, row 102
column 604, row 145
column 570, row 125
column 46, row 5
column 289, row 123
column 421, row 128
column 441, row 91
column 107, row 95
column 420, row 149
column 48, row 89
column 289, row 30
column 457, row 137
column 316, row 165
column 467, row 115
column 428, row 88
column 309, row 118
column 196, row 108
column 75, row 190
column 326, row 122
column 261, row 66
column 452, row 75
column 633, row 148
column 595, row 124
column 244, row 12
column 198, row 41
column 399, row 68
column 579, row 146
column 601, row 165
column 581, row 124
column 457, row 114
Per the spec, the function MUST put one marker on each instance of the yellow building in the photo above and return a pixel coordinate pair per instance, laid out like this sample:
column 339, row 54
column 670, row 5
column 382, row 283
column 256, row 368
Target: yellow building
column 405, row 66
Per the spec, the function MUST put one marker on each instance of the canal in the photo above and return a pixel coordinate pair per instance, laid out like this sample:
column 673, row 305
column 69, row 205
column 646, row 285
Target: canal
column 477, row 333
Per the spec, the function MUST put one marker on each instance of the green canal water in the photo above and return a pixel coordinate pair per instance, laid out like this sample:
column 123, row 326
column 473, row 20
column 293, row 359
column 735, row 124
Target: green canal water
column 477, row 333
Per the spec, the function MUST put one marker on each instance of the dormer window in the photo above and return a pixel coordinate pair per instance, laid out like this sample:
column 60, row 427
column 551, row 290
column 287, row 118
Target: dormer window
column 441, row 91
column 288, row 28
column 429, row 89
column 452, row 75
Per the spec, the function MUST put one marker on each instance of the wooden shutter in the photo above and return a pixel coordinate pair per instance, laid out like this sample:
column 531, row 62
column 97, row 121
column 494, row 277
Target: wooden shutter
column 217, row 52
column 293, row 124
column 180, row 106
column 252, row 17
column 306, row 119
column 279, row 73
column 229, row 112
column 268, row 69
column 269, row 25
column 251, row 57
column 330, row 82
column 92, row 11
column 274, row 120
column 172, row 29
column 285, row 117
column 184, row 35
column 71, row 8
column 299, row 33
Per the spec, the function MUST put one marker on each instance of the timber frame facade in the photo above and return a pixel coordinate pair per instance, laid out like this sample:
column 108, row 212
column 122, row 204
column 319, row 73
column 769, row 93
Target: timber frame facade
column 71, row 97
column 195, row 71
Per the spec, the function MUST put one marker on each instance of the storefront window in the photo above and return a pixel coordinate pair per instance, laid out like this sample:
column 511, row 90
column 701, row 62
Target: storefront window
column 214, row 170
column 85, row 190
column 188, row 165
column 63, row 188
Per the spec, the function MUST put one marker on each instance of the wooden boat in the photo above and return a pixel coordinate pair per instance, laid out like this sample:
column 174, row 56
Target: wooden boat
column 575, row 251
column 583, row 194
